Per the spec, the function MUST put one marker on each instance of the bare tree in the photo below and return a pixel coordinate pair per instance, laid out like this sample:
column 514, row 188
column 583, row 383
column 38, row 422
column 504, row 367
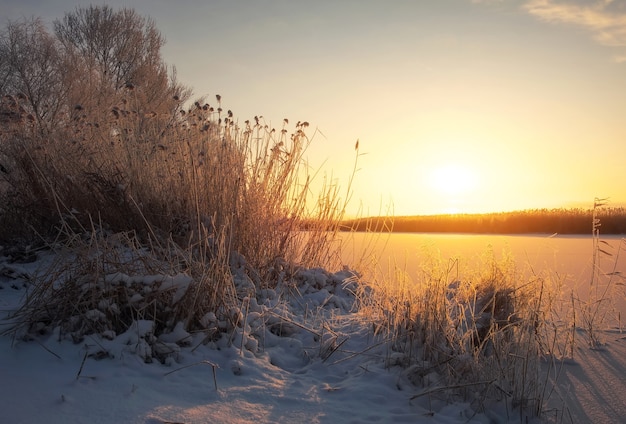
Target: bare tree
column 30, row 68
column 115, row 50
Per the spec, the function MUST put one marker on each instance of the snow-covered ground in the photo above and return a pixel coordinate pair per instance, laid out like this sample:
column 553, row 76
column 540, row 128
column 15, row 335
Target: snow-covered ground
column 591, row 387
column 313, row 362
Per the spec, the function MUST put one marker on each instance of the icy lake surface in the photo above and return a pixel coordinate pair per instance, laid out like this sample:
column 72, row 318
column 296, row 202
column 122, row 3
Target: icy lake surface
column 566, row 258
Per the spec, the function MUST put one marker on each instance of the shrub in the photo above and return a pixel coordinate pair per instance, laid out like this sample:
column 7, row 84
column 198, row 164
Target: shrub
column 474, row 333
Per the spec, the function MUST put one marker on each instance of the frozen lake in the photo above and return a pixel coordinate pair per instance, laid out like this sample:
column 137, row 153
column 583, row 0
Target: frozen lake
column 564, row 257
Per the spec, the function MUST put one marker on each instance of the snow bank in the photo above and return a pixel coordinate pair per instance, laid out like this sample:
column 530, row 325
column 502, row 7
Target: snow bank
column 293, row 353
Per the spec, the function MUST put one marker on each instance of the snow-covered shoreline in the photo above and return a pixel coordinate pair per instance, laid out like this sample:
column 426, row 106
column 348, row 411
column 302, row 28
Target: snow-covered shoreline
column 316, row 362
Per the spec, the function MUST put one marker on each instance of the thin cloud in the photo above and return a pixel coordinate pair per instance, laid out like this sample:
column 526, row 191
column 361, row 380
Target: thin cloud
column 605, row 19
column 619, row 58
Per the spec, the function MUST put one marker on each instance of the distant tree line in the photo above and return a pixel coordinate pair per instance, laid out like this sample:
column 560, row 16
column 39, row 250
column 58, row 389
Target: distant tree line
column 546, row 221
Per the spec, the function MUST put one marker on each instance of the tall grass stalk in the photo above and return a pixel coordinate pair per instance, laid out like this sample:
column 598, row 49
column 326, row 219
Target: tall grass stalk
column 595, row 308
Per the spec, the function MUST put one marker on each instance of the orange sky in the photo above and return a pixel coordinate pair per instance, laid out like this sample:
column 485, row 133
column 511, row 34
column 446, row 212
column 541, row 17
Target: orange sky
column 459, row 105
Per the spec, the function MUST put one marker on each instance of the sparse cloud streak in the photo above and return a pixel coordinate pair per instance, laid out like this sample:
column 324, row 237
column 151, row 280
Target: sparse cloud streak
column 605, row 19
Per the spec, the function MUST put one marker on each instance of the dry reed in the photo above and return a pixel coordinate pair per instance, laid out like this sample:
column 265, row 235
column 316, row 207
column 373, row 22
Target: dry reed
column 188, row 198
column 481, row 330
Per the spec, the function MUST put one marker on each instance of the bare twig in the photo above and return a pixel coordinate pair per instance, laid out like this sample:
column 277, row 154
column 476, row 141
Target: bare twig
column 204, row 362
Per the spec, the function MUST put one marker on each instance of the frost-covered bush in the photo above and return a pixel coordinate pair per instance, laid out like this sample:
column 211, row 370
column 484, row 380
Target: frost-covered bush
column 104, row 287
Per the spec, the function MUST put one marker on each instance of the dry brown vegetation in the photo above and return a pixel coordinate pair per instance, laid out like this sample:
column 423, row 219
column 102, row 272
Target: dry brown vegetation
column 125, row 176
column 474, row 333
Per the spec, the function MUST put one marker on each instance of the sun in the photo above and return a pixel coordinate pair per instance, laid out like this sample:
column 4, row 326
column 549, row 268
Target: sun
column 453, row 180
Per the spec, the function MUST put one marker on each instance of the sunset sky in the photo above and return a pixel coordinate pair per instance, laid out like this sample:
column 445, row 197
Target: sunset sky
column 459, row 105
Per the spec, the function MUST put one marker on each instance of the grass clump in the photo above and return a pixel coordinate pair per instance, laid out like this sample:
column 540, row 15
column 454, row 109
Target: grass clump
column 186, row 176
column 475, row 334
column 215, row 212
